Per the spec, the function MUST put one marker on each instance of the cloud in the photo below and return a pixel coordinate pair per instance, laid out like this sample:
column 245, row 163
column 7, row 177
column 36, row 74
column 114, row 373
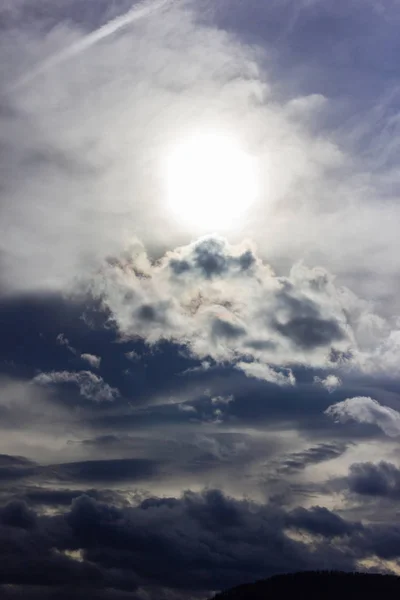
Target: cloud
column 298, row 461
column 143, row 9
column 224, row 303
column 192, row 543
column 97, row 194
column 187, row 408
column 263, row 323
column 381, row 480
column 87, row 471
column 264, row 372
column 91, row 386
column 94, row 189
column 222, row 400
column 366, row 410
column 128, row 469
column 178, row 538
column 330, row 383
column 63, row 341
column 321, row 521
column 94, row 361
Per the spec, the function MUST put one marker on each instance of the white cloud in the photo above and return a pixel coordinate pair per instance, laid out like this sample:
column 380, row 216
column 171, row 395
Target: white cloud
column 330, row 383
column 222, row 399
column 92, row 359
column 366, row 410
column 223, row 302
column 90, row 386
column 87, row 139
column 261, row 371
column 186, row 408
column 132, row 355
column 63, row 341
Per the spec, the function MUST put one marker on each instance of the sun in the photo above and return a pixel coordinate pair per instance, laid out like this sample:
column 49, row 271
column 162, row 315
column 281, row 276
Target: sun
column 210, row 181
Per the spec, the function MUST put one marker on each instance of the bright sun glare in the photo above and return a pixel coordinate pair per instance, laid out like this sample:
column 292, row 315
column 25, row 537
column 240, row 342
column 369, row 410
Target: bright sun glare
column 211, row 181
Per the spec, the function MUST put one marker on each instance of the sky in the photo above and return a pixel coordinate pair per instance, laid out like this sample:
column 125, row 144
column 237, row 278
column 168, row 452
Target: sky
column 199, row 294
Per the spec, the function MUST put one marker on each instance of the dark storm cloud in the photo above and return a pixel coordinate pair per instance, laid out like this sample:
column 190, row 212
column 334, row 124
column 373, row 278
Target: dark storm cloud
column 199, row 541
column 321, row 521
column 380, row 480
column 17, row 514
column 73, row 590
column 16, row 467
column 7, row 460
column 61, row 497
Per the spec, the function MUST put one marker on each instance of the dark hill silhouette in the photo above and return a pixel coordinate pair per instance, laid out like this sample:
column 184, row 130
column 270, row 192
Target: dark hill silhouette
column 324, row 585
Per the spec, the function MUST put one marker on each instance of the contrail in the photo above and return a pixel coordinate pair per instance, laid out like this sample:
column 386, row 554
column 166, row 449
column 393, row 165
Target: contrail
column 144, row 9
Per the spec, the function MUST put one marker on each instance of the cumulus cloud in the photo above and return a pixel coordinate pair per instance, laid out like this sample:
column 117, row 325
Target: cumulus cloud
column 223, row 302
column 93, row 360
column 90, row 386
column 366, row 410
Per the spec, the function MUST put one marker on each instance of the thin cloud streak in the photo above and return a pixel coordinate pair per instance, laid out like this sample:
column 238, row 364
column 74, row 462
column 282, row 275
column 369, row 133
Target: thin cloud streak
column 142, row 10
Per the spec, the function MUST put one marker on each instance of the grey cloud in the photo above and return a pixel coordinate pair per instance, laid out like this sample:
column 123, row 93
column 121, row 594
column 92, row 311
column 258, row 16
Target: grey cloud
column 321, row 521
column 59, row 497
column 298, row 461
column 85, row 471
column 193, row 531
column 129, row 469
column 224, row 329
column 302, row 321
column 310, row 333
column 152, row 314
column 210, row 259
column 7, row 460
column 17, row 514
column 375, row 480
column 196, row 542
